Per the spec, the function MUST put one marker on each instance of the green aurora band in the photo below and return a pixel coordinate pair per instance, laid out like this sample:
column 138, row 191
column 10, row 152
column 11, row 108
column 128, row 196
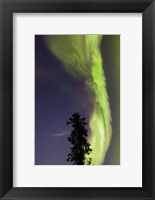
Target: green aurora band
column 81, row 57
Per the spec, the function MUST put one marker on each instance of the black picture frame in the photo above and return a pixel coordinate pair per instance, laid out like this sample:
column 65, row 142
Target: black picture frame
column 7, row 8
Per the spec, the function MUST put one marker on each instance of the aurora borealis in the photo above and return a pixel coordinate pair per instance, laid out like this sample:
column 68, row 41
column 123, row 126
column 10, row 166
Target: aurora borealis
column 70, row 77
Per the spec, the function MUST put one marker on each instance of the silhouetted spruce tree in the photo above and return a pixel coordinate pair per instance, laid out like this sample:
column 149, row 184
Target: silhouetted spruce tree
column 80, row 149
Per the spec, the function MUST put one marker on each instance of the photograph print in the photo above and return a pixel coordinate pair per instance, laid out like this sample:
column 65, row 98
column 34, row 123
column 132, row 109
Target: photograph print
column 77, row 99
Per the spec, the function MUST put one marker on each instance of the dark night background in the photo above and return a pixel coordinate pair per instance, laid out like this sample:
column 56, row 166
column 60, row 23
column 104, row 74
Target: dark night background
column 58, row 96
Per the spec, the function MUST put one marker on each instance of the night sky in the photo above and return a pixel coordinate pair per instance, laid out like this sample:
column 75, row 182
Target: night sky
column 58, row 96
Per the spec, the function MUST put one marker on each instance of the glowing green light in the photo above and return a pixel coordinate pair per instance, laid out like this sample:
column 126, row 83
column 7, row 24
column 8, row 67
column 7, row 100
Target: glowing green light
column 81, row 57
